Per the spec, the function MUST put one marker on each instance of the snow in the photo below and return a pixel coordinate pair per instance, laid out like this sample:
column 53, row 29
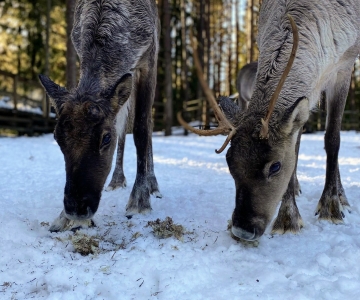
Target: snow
column 322, row 262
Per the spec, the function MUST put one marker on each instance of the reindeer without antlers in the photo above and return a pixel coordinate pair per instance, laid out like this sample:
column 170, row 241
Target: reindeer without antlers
column 117, row 43
column 324, row 38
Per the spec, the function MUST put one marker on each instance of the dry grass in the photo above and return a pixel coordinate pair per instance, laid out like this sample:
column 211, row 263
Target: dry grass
column 85, row 244
column 167, row 228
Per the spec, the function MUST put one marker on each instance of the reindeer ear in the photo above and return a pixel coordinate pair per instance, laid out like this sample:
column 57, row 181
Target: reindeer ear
column 55, row 92
column 121, row 92
column 295, row 116
column 230, row 109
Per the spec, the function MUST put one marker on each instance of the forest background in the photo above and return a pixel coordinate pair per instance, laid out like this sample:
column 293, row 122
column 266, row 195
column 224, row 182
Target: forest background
column 34, row 39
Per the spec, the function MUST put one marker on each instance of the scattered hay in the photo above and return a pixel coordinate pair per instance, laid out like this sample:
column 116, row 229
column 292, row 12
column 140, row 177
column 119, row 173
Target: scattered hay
column 135, row 236
column 110, row 224
column 167, row 228
column 7, row 284
column 245, row 243
column 85, row 244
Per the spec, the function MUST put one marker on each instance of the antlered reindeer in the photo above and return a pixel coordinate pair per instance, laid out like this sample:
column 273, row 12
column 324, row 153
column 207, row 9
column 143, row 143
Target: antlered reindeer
column 117, row 43
column 306, row 48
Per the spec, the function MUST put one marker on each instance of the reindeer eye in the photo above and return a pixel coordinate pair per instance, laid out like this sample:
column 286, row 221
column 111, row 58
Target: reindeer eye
column 106, row 140
column 274, row 168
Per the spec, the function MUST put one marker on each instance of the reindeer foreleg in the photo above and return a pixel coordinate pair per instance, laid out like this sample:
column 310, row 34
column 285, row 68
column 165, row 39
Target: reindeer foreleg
column 145, row 182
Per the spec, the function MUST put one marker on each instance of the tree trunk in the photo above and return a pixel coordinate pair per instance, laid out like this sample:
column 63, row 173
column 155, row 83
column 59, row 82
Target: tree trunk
column 252, row 31
column 352, row 99
column 207, row 53
column 46, row 103
column 230, row 48
column 237, row 26
column 221, row 53
column 70, row 50
column 159, row 81
column 184, row 68
column 168, row 67
column 200, row 45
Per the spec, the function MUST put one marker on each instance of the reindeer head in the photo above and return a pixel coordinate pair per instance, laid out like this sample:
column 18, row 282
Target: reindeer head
column 86, row 134
column 262, row 155
column 262, row 167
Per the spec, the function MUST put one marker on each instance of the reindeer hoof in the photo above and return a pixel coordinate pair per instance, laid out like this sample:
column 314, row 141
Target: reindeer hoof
column 288, row 225
column 62, row 223
column 130, row 212
column 344, row 203
column 115, row 184
column 133, row 208
column 288, row 219
column 154, row 187
column 331, row 209
column 139, row 201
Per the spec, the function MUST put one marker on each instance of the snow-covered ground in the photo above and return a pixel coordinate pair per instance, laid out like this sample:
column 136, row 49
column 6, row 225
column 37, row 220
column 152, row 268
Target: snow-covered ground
column 322, row 262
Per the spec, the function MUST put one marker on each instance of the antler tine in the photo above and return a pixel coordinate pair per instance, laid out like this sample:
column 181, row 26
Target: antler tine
column 264, row 132
column 202, row 132
column 224, row 124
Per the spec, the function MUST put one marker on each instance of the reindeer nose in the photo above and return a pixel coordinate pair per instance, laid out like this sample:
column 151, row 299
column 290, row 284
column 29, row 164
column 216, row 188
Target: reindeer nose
column 77, row 209
column 243, row 234
column 247, row 227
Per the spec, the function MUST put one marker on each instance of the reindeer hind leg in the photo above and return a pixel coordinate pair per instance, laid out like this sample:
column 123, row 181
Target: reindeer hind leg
column 333, row 199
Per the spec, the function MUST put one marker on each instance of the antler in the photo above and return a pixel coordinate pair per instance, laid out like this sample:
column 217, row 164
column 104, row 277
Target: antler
column 224, row 124
column 264, row 132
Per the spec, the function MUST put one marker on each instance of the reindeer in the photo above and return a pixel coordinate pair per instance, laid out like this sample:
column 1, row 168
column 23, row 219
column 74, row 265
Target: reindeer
column 117, row 43
column 307, row 48
column 245, row 83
